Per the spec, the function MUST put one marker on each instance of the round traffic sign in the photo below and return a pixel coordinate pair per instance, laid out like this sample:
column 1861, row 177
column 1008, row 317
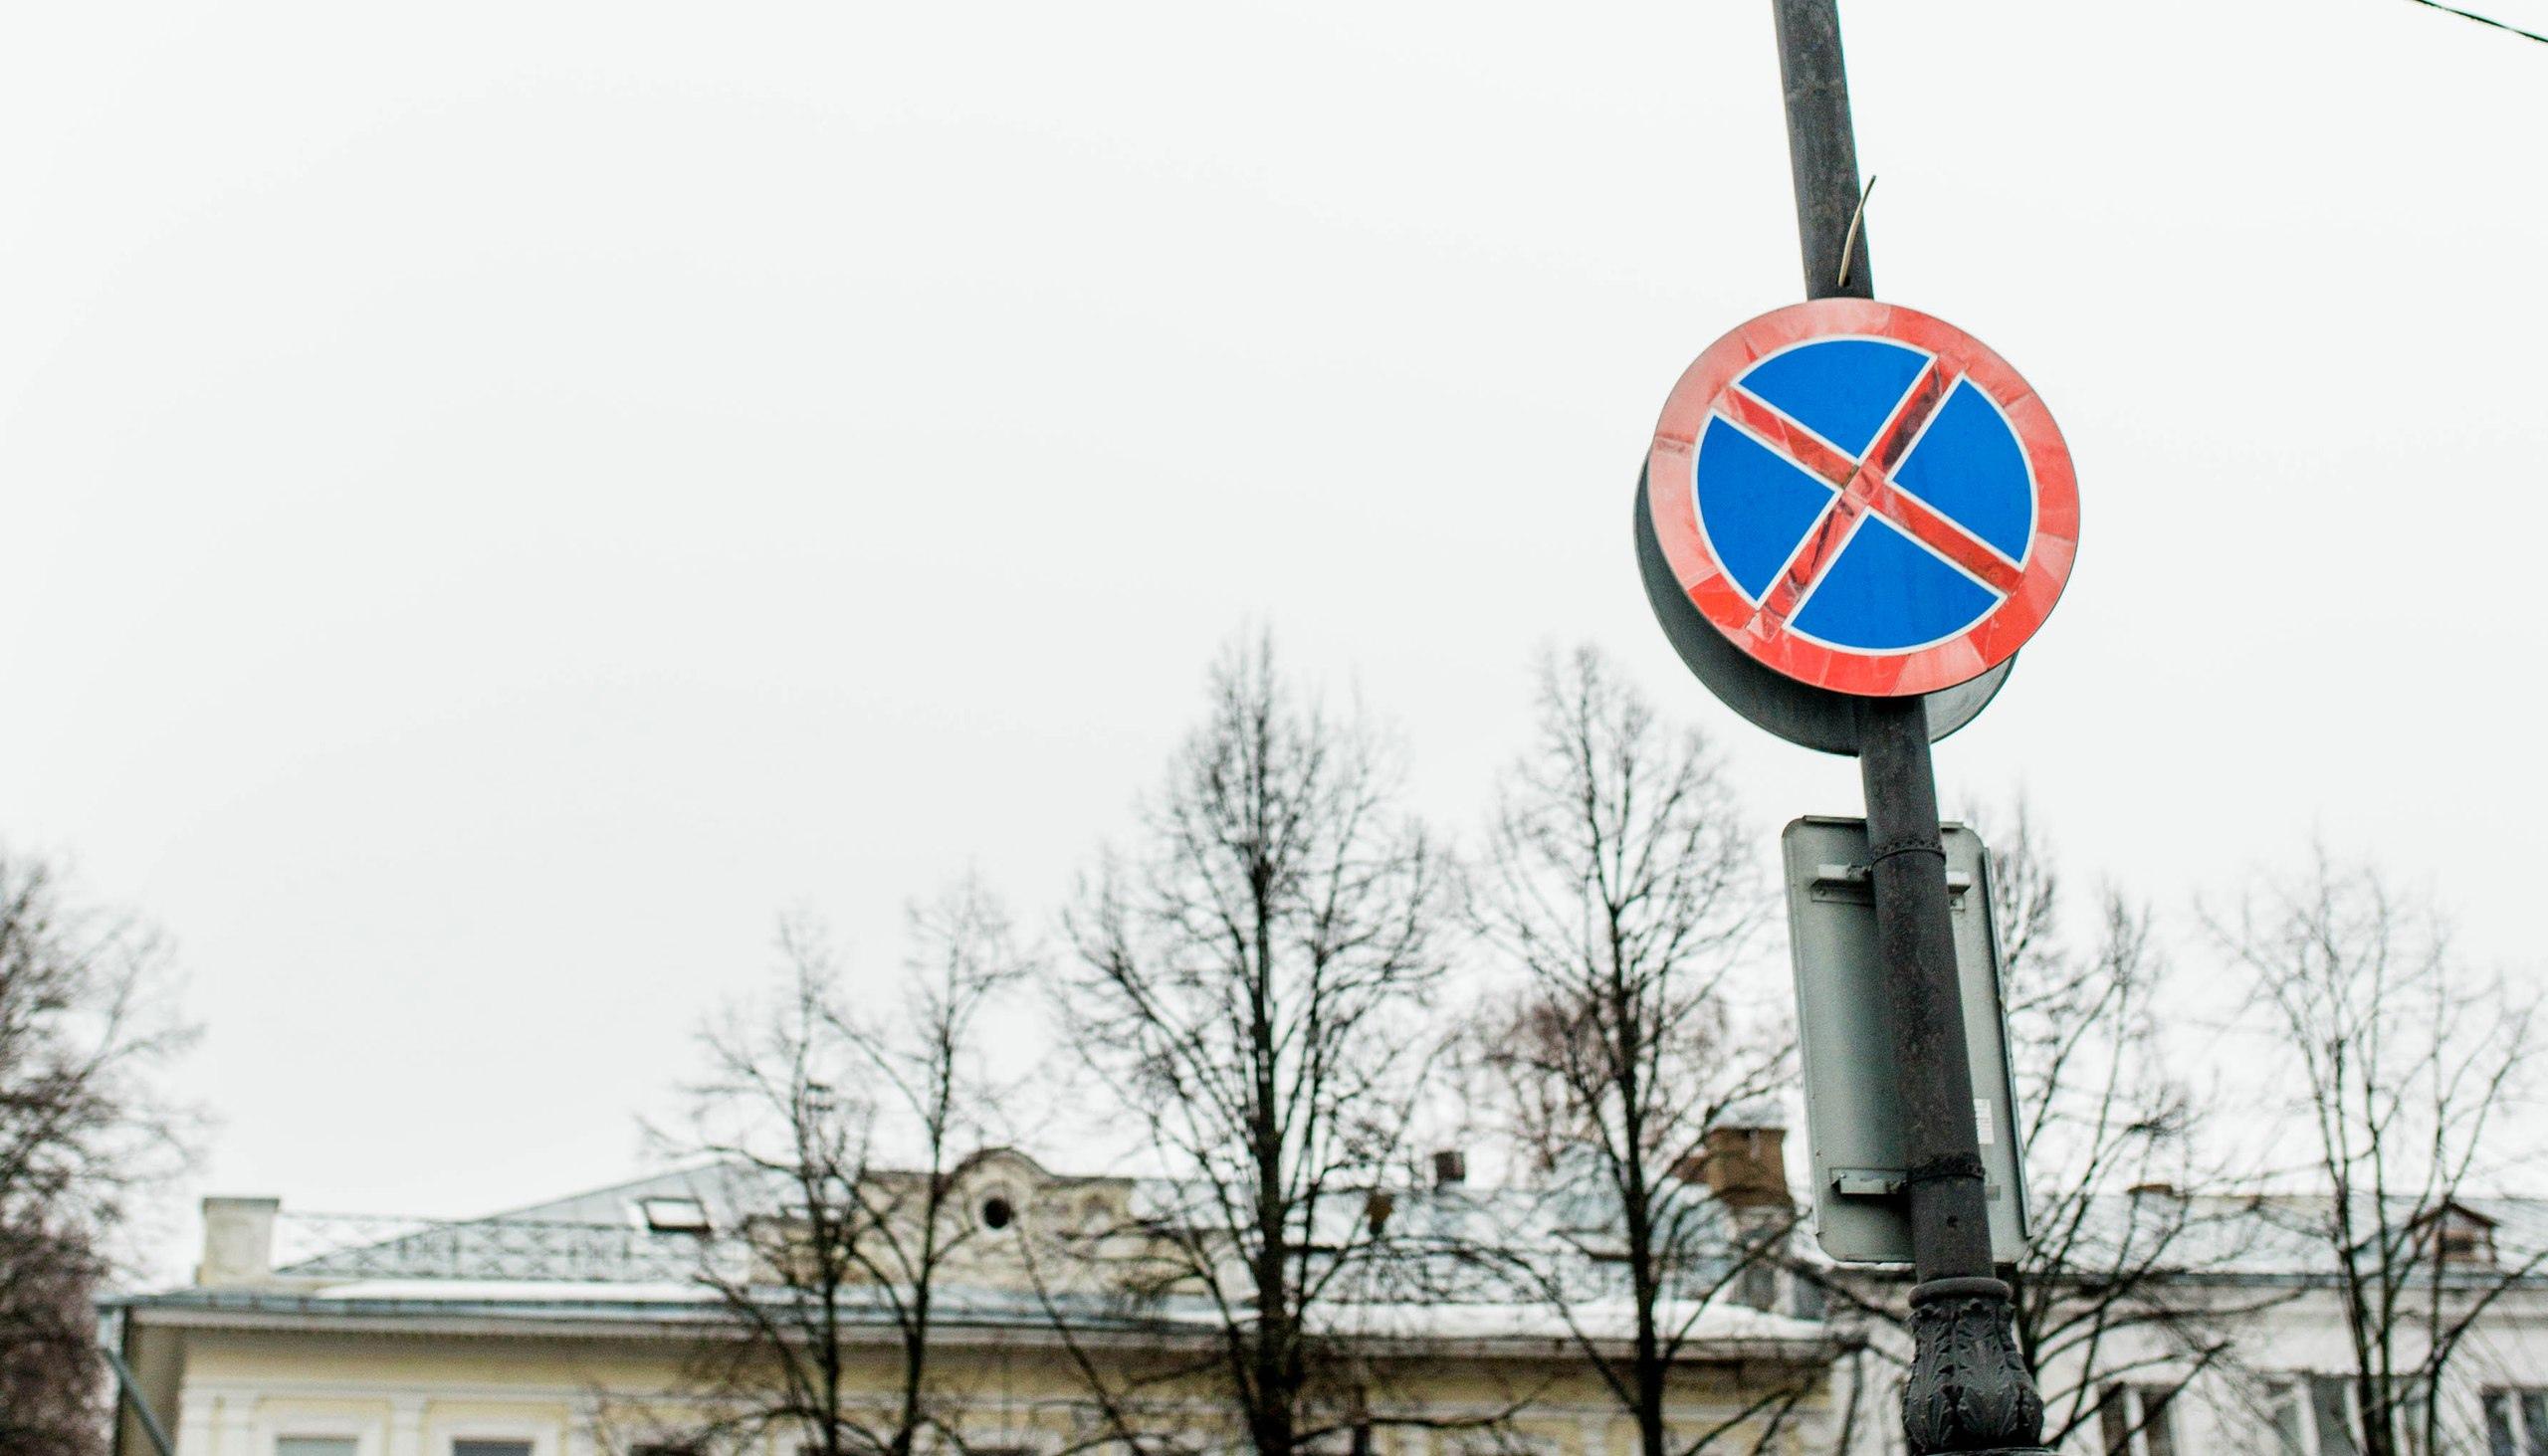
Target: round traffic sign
column 1863, row 498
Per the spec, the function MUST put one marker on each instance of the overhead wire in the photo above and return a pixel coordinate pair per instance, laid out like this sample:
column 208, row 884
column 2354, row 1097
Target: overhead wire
column 2483, row 20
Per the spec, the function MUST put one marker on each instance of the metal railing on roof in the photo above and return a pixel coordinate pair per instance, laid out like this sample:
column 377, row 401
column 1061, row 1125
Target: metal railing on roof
column 375, row 1246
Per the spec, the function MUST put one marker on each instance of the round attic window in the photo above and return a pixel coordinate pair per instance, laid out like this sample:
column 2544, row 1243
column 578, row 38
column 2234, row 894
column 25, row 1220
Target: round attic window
column 997, row 1212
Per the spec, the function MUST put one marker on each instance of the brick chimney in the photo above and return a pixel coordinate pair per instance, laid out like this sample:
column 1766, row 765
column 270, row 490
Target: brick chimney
column 238, row 1241
column 1745, row 1167
column 1378, row 1207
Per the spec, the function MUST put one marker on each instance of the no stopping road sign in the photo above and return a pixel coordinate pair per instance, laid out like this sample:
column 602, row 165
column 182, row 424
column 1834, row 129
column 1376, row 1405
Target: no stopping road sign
column 1863, row 498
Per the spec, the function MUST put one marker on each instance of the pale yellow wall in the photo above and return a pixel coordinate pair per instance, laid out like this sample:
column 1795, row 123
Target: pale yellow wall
column 412, row 1394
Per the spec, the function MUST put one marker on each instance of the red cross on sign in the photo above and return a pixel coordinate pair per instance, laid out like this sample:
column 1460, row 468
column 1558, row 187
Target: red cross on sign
column 1863, row 497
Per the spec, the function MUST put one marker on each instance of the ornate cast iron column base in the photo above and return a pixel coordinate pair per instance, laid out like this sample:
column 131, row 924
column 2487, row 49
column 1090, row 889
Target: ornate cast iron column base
column 1968, row 1392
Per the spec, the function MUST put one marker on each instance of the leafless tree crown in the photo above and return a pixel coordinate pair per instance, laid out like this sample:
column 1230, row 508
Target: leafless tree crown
column 832, row 1128
column 2124, row 1194
column 2412, row 1071
column 1620, row 896
column 1252, row 988
column 86, row 1021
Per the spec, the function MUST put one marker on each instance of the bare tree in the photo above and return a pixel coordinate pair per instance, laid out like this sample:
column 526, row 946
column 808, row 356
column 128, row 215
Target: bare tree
column 1619, row 891
column 1250, row 992
column 2411, row 1072
column 2123, row 1196
column 838, row 1129
column 86, row 1023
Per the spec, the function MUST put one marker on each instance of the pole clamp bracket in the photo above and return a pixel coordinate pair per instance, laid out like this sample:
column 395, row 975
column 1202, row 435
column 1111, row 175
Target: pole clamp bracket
column 1926, row 844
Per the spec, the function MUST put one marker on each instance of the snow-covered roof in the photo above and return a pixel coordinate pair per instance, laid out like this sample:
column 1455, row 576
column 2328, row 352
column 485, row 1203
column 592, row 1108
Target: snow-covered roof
column 597, row 1257
column 2283, row 1238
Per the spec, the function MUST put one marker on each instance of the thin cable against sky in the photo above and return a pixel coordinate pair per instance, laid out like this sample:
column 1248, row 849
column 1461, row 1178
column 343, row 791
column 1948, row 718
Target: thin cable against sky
column 2483, row 20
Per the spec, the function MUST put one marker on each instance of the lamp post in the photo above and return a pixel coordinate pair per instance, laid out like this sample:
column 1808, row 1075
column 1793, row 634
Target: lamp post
column 1968, row 1391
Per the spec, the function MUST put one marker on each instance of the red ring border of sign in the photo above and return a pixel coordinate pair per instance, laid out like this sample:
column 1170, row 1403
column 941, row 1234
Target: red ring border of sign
column 1672, row 504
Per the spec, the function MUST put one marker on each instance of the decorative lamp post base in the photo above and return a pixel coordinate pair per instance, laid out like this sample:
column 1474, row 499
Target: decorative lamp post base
column 1967, row 1391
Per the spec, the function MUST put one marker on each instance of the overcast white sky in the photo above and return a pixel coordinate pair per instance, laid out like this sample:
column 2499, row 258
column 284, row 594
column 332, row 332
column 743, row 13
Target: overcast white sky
column 501, row 500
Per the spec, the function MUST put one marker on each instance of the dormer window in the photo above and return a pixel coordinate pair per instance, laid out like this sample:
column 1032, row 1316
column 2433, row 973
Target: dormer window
column 674, row 1215
column 2463, row 1237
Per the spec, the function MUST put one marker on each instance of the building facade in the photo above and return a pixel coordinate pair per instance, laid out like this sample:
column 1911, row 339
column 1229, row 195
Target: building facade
column 2237, row 1336
column 577, row 1328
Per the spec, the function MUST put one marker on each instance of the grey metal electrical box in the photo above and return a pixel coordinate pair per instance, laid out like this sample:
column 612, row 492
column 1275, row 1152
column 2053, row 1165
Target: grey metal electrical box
column 1852, row 1114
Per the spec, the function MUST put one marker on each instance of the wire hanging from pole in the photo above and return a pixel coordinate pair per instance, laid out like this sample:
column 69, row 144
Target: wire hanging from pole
column 1850, row 244
column 2483, row 20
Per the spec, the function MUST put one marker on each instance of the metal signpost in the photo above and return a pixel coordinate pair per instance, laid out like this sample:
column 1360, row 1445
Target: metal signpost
column 1852, row 517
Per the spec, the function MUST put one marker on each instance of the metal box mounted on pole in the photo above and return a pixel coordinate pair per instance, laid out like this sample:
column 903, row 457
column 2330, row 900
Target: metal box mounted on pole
column 1851, row 1102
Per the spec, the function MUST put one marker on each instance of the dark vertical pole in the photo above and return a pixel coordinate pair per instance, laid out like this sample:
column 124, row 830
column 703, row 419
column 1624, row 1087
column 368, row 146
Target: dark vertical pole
column 1968, row 1391
column 140, row 1404
column 1823, row 147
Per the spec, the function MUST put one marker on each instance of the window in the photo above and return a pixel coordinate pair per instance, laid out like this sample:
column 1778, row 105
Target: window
column 1493, row 1441
column 490, row 1448
column 314, row 1446
column 1758, row 1287
column 2516, row 1422
column 2134, row 1420
column 2463, row 1237
column 2331, row 1410
column 674, row 1215
column 2289, row 1422
column 2320, row 1415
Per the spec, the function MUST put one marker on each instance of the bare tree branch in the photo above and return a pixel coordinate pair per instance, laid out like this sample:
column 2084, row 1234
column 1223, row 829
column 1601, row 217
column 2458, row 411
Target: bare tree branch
column 1617, row 893
column 2406, row 1064
column 86, row 1021
column 1251, row 991
column 834, row 1131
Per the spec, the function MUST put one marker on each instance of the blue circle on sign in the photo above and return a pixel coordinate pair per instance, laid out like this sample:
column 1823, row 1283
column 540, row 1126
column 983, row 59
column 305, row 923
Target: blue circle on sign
column 1851, row 427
